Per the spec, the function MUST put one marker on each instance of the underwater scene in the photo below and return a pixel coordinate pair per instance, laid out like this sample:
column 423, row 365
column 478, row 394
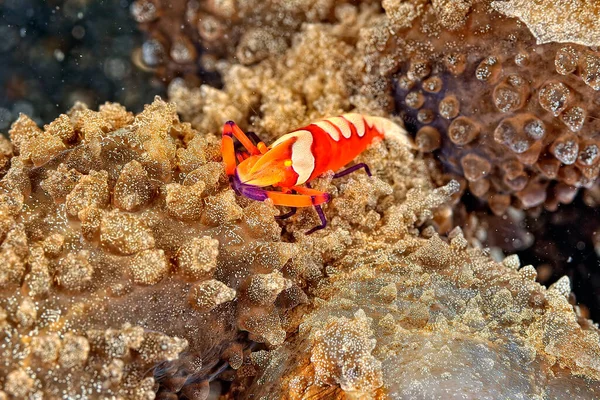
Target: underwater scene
column 299, row 199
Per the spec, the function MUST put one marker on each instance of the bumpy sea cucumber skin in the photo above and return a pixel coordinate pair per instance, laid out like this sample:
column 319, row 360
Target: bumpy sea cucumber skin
column 129, row 268
column 125, row 250
column 520, row 107
column 132, row 266
column 386, row 58
column 178, row 286
column 514, row 121
column 430, row 319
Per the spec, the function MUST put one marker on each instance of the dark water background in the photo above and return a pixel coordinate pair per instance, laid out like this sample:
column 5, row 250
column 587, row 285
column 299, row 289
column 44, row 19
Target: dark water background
column 563, row 243
column 55, row 52
column 562, row 246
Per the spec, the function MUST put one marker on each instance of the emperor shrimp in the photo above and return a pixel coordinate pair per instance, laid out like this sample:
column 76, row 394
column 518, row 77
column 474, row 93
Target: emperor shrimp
column 300, row 156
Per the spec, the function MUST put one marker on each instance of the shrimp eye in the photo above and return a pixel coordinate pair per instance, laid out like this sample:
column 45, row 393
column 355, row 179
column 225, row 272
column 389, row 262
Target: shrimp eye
column 287, row 163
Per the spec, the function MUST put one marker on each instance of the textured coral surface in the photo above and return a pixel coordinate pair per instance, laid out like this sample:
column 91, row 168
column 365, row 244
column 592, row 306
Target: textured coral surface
column 516, row 119
column 129, row 269
column 546, row 19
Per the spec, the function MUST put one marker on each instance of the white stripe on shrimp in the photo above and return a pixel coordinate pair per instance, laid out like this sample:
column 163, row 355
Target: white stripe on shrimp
column 389, row 129
column 329, row 128
column 303, row 160
column 342, row 124
column 357, row 121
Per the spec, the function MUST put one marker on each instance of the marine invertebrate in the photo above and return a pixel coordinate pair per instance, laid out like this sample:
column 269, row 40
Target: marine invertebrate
column 131, row 268
column 382, row 324
column 124, row 248
column 301, row 156
column 392, row 61
column 379, row 57
column 108, row 216
column 188, row 38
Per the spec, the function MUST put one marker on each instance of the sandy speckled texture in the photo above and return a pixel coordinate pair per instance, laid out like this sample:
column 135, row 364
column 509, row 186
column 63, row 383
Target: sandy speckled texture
column 512, row 117
column 129, row 269
column 125, row 249
column 428, row 319
column 110, row 220
column 176, row 287
column 548, row 23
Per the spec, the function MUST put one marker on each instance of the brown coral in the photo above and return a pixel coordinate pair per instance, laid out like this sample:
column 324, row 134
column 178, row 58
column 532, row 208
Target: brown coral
column 247, row 31
column 383, row 331
column 131, row 266
column 105, row 228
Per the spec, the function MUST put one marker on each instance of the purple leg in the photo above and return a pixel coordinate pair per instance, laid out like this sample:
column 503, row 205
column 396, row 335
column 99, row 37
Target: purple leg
column 352, row 169
column 287, row 215
column 233, row 184
column 321, row 217
column 254, row 137
column 323, row 221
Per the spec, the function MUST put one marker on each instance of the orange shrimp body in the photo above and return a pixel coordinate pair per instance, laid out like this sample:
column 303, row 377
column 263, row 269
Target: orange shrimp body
column 302, row 155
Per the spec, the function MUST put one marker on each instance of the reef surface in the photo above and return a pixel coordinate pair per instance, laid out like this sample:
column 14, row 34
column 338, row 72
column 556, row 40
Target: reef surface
column 473, row 86
column 129, row 269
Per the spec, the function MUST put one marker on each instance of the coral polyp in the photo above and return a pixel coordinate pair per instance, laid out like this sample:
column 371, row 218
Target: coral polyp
column 512, row 101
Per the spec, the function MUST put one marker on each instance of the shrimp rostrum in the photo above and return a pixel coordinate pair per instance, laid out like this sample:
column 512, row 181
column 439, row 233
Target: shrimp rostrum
column 300, row 156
